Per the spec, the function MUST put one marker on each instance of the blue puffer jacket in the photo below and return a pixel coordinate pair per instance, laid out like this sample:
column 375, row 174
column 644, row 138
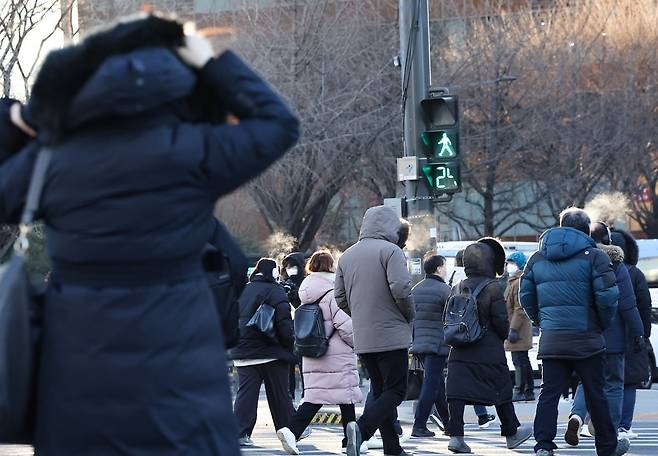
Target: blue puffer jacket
column 568, row 288
column 628, row 321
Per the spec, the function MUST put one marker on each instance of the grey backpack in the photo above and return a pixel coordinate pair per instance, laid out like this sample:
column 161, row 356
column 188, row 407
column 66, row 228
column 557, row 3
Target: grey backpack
column 461, row 320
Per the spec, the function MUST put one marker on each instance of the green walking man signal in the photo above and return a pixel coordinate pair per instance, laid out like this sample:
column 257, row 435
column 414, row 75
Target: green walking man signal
column 441, row 165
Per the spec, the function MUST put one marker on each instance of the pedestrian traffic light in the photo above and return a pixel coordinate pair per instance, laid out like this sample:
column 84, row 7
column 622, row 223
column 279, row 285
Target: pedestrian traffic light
column 441, row 140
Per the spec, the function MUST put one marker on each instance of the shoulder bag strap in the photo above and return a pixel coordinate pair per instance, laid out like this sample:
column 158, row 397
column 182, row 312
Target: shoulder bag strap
column 33, row 198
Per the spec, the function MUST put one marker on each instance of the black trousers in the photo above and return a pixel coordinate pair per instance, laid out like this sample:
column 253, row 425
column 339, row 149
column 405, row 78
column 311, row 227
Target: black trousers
column 509, row 423
column 250, row 378
column 305, row 413
column 522, row 365
column 388, row 383
column 557, row 374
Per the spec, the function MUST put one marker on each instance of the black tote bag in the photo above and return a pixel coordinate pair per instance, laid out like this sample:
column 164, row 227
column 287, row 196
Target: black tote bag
column 19, row 326
column 415, row 379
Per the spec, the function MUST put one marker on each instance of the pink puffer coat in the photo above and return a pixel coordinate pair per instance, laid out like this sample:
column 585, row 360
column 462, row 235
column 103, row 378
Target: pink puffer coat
column 333, row 378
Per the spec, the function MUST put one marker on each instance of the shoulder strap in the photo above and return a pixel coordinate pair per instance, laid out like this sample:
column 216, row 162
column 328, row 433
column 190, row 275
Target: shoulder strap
column 322, row 297
column 36, row 186
column 481, row 287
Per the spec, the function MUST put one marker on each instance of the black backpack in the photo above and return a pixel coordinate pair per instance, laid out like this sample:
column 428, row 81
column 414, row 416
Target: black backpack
column 461, row 321
column 310, row 338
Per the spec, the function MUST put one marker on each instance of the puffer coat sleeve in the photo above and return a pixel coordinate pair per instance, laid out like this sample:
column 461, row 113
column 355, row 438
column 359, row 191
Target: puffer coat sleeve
column 283, row 320
column 606, row 292
column 528, row 291
column 342, row 323
column 266, row 130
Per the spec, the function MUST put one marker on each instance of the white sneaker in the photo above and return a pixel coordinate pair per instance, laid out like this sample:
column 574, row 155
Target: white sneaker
column 288, row 441
column 375, row 443
column 404, row 437
column 627, row 433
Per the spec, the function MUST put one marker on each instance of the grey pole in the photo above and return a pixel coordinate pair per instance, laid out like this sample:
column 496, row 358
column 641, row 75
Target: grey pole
column 416, row 78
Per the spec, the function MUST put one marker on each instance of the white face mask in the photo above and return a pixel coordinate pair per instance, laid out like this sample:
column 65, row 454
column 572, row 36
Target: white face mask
column 292, row 271
column 512, row 269
column 275, row 273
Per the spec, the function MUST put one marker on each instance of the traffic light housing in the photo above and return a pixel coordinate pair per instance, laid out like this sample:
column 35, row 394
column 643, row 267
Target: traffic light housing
column 440, row 138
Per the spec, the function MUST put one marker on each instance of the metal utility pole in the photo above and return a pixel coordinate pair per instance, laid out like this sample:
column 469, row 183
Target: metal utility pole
column 416, row 78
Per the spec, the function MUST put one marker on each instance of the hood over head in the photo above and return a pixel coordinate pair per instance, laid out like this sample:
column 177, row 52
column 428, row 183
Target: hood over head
column 51, row 106
column 561, row 243
column 616, row 254
column 625, row 240
column 380, row 222
column 480, row 260
column 499, row 253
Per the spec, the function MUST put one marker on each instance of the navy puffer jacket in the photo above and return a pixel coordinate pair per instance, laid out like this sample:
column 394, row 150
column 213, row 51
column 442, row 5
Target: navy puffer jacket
column 132, row 357
column 430, row 297
column 569, row 289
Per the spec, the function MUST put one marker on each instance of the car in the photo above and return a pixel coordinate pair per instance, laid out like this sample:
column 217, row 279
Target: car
column 449, row 251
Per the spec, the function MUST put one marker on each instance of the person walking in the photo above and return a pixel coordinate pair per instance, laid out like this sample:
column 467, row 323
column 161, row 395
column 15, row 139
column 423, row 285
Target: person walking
column 625, row 327
column 259, row 358
column 519, row 339
column 430, row 296
column 132, row 357
column 568, row 288
column 477, row 372
column 636, row 363
column 373, row 285
column 332, row 378
column 292, row 275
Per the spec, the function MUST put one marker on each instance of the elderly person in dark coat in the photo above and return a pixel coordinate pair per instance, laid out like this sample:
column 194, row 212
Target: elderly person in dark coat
column 477, row 372
column 430, row 296
column 132, row 357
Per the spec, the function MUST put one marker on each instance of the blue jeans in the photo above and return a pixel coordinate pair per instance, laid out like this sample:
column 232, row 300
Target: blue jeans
column 480, row 410
column 433, row 392
column 613, row 390
column 628, row 407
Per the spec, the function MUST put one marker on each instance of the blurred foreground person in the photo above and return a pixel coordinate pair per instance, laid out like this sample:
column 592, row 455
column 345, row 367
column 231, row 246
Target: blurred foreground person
column 132, row 356
column 330, row 379
column 263, row 358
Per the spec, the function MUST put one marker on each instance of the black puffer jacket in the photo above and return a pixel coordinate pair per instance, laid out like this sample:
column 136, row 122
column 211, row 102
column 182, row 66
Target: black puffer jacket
column 478, row 373
column 430, row 297
column 637, row 364
column 253, row 344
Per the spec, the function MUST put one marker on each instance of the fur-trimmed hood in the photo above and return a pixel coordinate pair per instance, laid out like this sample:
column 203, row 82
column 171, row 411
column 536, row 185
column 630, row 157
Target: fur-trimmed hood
column 615, row 253
column 126, row 69
column 626, row 241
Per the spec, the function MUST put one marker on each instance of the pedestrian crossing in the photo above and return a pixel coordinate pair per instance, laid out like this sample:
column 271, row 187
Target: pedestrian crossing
column 484, row 442
column 325, row 441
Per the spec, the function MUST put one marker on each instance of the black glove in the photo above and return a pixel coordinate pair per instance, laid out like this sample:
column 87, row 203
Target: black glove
column 513, row 336
column 638, row 344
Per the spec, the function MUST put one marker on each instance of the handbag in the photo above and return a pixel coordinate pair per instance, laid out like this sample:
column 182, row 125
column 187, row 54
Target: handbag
column 263, row 320
column 415, row 376
column 20, row 325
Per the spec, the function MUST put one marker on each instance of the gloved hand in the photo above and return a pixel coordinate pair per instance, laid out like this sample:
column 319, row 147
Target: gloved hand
column 638, row 344
column 513, row 336
column 196, row 52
